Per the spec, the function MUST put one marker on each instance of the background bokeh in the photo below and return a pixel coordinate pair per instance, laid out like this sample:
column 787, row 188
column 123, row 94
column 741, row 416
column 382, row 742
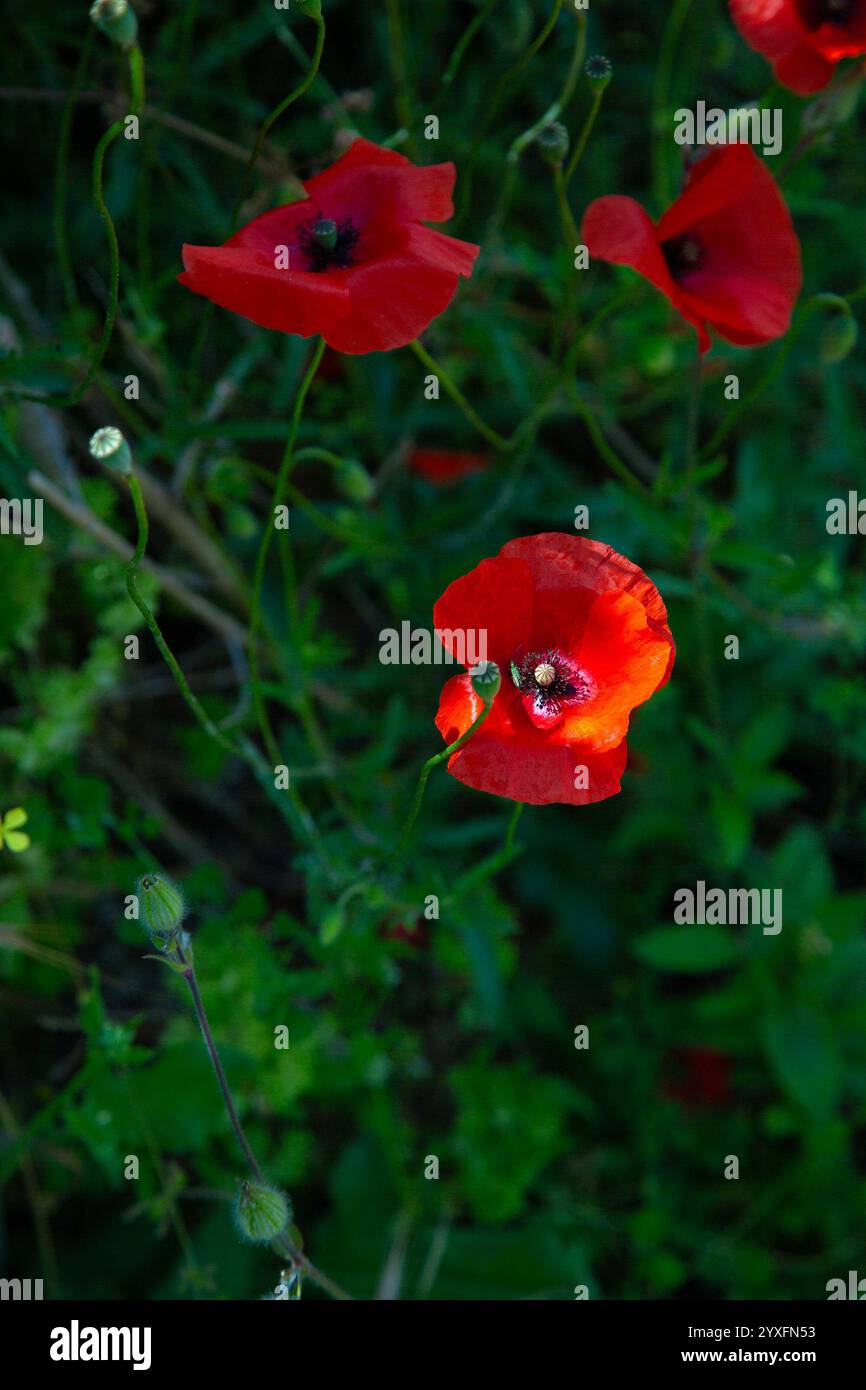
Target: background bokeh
column 409, row 1037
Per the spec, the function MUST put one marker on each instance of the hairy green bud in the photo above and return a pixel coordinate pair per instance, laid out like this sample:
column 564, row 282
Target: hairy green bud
column 262, row 1213
column 162, row 905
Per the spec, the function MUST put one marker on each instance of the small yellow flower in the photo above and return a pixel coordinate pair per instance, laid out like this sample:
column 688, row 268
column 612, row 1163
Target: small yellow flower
column 10, row 834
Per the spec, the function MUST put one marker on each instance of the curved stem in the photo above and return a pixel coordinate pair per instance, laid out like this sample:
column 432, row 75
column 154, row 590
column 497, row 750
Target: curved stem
column 62, row 173
column 285, row 1246
column 583, row 138
column 167, row 654
column 262, row 556
column 136, row 64
column 661, row 96
column 425, row 773
column 278, row 110
column 492, row 436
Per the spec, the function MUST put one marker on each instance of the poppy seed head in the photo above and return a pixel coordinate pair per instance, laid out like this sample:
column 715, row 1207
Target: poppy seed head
column 327, row 243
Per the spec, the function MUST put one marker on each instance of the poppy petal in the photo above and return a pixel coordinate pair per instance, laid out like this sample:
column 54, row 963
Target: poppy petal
column 247, row 283
column 494, row 599
column 619, row 230
column 803, row 70
column 369, row 179
column 628, row 660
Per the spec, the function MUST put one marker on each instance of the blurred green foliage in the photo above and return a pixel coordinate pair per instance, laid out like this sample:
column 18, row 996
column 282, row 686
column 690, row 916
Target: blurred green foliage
column 411, row 1038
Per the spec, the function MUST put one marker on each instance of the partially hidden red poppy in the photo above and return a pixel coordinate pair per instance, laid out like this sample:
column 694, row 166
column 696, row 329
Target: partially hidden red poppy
column 354, row 261
column 803, row 39
column 443, row 466
column 581, row 637
column 703, row 1076
column 725, row 253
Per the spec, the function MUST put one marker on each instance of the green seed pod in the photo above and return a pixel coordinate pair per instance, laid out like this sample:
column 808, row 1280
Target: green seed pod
column 552, row 141
column 355, row 482
column 109, row 447
column 262, row 1213
column 117, row 20
column 486, row 680
column 599, row 71
column 838, row 338
column 162, row 905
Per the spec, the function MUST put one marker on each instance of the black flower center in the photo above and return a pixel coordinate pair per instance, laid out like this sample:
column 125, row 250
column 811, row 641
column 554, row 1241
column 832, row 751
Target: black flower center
column 814, row 13
column 327, row 243
column 550, row 682
column 683, row 254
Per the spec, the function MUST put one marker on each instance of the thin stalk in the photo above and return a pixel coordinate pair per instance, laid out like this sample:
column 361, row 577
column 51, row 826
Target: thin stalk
column 285, row 1246
column 425, row 774
column 264, row 547
column 492, row 436
column 583, row 138
column 278, row 110
column 661, row 97
column 61, row 174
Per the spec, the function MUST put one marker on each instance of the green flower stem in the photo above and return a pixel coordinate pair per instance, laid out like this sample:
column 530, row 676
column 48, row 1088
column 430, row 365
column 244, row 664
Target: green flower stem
column 168, row 656
column 136, row 77
column 661, row 96
column 262, row 556
column 198, row 1004
column 399, row 71
column 452, row 67
column 425, row 773
column 285, row 1246
column 610, row 456
column 492, row 436
column 556, row 109
column 489, row 867
column 136, row 69
column 244, row 749
column 493, row 105
column 566, row 216
column 306, row 82
column 61, row 175
column 583, row 138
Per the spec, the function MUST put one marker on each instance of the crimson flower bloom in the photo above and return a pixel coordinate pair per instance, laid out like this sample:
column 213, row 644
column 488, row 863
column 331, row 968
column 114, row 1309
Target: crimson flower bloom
column 725, row 253
column 363, row 270
column 443, row 466
column 584, row 636
column 803, row 39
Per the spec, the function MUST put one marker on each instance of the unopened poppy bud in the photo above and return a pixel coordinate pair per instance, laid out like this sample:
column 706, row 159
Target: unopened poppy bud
column 599, row 71
column 486, row 680
column 261, row 1212
column 552, row 141
column 117, row 20
column 838, row 338
column 325, row 232
column 355, row 482
column 109, row 447
column 161, row 904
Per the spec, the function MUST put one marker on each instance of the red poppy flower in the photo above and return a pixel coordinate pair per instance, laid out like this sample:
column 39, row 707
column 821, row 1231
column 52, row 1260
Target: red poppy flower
column 703, row 1076
column 803, row 39
column 580, row 636
column 725, row 253
column 443, row 466
column 363, row 269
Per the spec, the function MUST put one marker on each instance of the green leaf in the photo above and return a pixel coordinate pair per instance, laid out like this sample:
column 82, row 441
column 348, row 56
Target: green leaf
column 689, row 950
column 802, row 1050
